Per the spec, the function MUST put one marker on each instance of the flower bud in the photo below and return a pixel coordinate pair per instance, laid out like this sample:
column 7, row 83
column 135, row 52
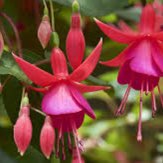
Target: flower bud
column 44, row 31
column 23, row 130
column 75, row 42
column 47, row 138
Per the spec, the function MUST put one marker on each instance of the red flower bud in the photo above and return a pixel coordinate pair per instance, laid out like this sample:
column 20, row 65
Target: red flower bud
column 44, row 31
column 23, row 130
column 75, row 42
column 47, row 138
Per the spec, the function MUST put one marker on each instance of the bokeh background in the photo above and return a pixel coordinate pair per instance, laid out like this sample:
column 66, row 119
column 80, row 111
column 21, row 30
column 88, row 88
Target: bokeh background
column 108, row 139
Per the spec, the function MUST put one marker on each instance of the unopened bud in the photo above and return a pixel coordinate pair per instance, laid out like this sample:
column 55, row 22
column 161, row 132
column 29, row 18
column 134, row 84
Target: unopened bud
column 47, row 138
column 44, row 31
column 23, row 130
column 75, row 42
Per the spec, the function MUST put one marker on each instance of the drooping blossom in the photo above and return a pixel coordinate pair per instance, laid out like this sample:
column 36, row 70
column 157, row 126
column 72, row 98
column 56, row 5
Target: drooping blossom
column 44, row 31
column 23, row 130
column 141, row 63
column 75, row 42
column 63, row 100
column 47, row 137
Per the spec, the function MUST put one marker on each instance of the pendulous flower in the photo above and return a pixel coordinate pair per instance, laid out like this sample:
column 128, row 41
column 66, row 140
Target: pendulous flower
column 141, row 63
column 63, row 100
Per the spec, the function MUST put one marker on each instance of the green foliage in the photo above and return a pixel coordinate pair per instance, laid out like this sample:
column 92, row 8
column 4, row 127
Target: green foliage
column 96, row 7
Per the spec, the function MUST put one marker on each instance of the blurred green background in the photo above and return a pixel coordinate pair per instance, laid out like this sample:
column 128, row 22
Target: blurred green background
column 108, row 139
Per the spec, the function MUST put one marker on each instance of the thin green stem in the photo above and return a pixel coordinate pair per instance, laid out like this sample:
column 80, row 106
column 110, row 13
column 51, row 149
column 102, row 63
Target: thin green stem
column 45, row 5
column 98, row 81
column 52, row 15
column 38, row 111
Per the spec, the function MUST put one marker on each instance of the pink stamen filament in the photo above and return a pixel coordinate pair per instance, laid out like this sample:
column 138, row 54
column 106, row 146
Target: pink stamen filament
column 63, row 149
column 159, row 91
column 69, row 142
column 147, row 88
column 139, row 133
column 76, row 142
column 124, row 101
column 154, row 107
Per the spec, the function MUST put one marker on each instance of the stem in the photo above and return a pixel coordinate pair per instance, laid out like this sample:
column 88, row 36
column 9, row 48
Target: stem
column 45, row 5
column 44, row 61
column 52, row 15
column 98, row 81
column 38, row 111
column 6, row 38
column 15, row 31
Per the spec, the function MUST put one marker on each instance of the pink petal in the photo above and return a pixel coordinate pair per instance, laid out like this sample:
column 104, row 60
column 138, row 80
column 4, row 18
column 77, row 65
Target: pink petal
column 79, row 98
column 143, row 61
column 157, row 54
column 38, row 76
column 126, row 54
column 125, row 74
column 86, row 68
column 89, row 88
column 75, row 42
column 58, row 100
column 58, row 62
column 115, row 34
column 147, row 21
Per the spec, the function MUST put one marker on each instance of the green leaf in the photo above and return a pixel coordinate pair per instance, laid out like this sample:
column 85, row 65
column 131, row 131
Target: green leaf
column 9, row 66
column 96, row 7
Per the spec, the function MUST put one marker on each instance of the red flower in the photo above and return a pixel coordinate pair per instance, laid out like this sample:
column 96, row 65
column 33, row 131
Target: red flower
column 63, row 100
column 141, row 63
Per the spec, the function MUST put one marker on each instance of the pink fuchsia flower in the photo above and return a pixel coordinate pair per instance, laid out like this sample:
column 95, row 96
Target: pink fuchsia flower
column 44, row 31
column 75, row 42
column 141, row 63
column 47, row 137
column 23, row 130
column 63, row 100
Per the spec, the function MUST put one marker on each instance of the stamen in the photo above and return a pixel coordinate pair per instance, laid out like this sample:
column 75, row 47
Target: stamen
column 63, row 149
column 154, row 107
column 69, row 143
column 76, row 142
column 139, row 133
column 58, row 140
column 123, row 102
column 147, row 88
column 159, row 91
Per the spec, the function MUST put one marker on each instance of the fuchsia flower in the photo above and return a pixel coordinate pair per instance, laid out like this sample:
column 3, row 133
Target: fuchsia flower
column 63, row 100
column 75, row 42
column 141, row 63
